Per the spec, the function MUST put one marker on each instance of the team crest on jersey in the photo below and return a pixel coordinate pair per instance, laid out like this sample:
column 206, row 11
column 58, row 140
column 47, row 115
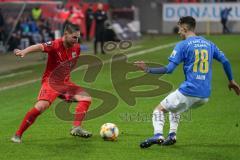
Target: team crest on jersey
column 74, row 54
column 49, row 43
column 174, row 53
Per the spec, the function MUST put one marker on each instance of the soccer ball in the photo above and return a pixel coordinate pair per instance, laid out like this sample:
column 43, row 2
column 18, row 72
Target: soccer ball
column 109, row 132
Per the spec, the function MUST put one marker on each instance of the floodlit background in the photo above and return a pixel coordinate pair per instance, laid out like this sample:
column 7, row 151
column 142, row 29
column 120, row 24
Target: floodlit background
column 149, row 27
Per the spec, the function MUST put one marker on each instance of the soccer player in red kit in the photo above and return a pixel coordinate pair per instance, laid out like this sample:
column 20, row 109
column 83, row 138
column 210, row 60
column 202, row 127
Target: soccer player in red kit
column 59, row 52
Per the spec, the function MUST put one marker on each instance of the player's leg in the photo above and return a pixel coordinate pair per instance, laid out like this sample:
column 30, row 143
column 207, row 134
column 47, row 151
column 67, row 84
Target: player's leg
column 29, row 119
column 182, row 104
column 175, row 104
column 158, row 120
column 45, row 98
column 172, row 102
column 174, row 119
column 84, row 101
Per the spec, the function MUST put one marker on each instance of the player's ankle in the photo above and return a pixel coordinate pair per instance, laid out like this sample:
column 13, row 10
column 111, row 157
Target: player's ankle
column 18, row 134
column 76, row 126
column 158, row 134
column 172, row 134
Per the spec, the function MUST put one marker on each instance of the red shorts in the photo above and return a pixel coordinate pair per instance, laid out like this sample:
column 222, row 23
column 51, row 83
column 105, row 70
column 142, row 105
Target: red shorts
column 66, row 91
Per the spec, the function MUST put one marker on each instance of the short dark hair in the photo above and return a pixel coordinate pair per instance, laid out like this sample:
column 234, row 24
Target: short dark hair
column 70, row 28
column 189, row 21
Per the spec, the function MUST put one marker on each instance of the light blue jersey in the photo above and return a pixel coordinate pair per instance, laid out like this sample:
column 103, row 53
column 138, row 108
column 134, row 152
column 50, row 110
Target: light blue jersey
column 197, row 55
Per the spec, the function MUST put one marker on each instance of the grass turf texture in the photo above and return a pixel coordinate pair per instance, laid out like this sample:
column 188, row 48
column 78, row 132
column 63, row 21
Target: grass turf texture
column 209, row 132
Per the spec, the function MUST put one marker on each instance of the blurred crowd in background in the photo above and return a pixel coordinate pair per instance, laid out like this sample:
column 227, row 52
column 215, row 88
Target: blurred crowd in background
column 40, row 25
column 27, row 22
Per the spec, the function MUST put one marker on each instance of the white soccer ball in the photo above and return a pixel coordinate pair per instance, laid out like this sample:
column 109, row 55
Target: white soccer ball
column 109, row 132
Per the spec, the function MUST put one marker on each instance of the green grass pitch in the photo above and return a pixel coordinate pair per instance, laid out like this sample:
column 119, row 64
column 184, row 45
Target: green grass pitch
column 207, row 133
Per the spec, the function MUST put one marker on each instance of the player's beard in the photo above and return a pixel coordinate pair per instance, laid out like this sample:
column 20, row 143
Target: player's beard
column 70, row 43
column 73, row 41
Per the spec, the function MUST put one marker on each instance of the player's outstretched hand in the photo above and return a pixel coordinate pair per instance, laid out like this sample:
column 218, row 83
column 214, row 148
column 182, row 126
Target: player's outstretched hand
column 141, row 65
column 19, row 53
column 233, row 85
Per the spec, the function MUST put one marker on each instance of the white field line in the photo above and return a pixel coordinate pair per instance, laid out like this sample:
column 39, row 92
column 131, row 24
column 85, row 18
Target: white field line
column 15, row 74
column 151, row 49
column 134, row 47
column 130, row 49
column 19, row 84
column 105, row 62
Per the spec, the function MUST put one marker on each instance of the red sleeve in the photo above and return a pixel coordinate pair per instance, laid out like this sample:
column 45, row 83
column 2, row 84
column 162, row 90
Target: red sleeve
column 48, row 46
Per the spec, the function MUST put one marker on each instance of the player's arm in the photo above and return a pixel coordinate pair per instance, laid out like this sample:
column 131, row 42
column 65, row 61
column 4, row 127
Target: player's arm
column 175, row 58
column 168, row 69
column 30, row 49
column 220, row 57
column 228, row 71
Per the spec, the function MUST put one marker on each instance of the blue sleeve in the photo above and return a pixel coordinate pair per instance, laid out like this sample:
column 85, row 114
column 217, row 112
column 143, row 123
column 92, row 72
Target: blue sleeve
column 162, row 70
column 228, row 70
column 177, row 54
column 220, row 57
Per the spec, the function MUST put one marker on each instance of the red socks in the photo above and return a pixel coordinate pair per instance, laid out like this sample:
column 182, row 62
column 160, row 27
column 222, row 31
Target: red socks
column 80, row 112
column 32, row 114
column 28, row 120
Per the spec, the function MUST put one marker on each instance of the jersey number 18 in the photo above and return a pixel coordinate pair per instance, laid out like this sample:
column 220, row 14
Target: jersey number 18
column 201, row 61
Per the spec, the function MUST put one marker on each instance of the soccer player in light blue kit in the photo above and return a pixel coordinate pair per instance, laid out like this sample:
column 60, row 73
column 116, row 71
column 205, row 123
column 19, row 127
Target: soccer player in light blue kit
column 197, row 55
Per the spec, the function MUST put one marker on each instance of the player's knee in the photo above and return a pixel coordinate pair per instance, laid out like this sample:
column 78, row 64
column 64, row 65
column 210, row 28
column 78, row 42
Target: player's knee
column 160, row 108
column 42, row 105
column 88, row 98
column 83, row 97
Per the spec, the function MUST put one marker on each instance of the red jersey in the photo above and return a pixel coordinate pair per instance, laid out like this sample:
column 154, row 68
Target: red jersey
column 58, row 55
